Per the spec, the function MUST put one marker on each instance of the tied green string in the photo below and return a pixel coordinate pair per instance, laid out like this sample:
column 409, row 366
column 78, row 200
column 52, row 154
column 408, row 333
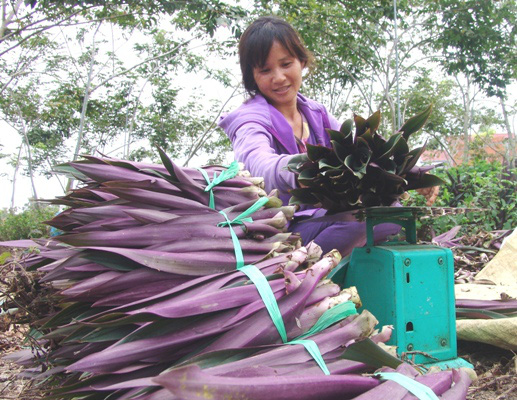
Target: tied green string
column 314, row 351
column 268, row 297
column 228, row 173
column 211, row 202
column 244, row 216
column 329, row 317
column 239, row 257
column 261, row 283
column 415, row 388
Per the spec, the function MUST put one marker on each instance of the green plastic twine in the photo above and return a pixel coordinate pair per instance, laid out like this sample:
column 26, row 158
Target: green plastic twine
column 328, row 318
column 244, row 216
column 228, row 173
column 314, row 351
column 261, row 283
column 415, row 388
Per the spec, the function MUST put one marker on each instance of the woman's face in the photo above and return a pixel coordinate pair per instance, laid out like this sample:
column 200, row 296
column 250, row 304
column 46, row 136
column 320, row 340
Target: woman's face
column 280, row 78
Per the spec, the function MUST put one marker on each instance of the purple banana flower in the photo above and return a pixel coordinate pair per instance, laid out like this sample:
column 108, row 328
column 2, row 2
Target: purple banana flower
column 192, row 383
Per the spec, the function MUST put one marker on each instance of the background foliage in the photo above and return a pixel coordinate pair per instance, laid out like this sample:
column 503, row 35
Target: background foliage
column 489, row 186
column 26, row 223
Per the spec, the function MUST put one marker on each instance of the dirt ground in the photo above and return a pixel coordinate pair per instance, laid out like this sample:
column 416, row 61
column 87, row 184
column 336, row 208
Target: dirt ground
column 496, row 370
column 12, row 384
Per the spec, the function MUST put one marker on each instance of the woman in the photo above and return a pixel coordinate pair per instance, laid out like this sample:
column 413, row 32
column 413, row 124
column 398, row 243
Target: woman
column 277, row 122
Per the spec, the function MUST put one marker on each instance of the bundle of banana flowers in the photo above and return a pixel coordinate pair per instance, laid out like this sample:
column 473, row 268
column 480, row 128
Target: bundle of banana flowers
column 152, row 305
column 361, row 169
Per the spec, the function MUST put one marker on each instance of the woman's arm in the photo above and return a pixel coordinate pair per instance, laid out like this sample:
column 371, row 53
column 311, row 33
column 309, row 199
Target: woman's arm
column 254, row 146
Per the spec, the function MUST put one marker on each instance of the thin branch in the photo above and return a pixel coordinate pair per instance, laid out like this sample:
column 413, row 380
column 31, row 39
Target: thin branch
column 35, row 33
column 62, row 22
column 511, row 138
column 6, row 20
column 29, row 156
column 445, row 148
column 12, row 78
column 144, row 62
column 84, row 106
column 204, row 136
column 16, row 168
column 406, row 104
column 56, row 175
column 22, row 66
column 367, row 100
column 112, row 58
column 26, row 27
column 74, row 62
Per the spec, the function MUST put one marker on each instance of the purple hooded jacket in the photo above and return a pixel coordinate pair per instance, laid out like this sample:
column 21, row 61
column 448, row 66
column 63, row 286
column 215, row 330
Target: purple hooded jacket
column 263, row 140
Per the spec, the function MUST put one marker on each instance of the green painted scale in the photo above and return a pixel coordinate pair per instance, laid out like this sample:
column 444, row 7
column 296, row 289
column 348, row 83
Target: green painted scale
column 407, row 285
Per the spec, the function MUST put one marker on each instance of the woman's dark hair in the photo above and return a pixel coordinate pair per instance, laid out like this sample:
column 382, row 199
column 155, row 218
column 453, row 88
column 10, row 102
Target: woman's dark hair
column 256, row 41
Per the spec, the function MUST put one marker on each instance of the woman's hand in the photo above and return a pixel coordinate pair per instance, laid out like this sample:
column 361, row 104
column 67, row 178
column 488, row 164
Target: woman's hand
column 430, row 194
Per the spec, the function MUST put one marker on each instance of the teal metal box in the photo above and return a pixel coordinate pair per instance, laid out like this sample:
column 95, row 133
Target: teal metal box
column 412, row 288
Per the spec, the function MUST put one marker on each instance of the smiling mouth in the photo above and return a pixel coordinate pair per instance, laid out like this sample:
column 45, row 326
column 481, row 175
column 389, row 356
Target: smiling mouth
column 282, row 90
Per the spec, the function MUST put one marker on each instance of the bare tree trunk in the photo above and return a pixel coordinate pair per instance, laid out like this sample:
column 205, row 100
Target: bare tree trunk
column 511, row 156
column 387, row 85
column 466, row 119
column 8, row 18
column 393, row 114
column 29, row 158
column 84, row 106
column 446, row 149
column 16, row 168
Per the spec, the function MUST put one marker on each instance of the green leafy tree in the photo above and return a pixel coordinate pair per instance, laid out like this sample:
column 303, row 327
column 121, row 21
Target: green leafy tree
column 478, row 39
column 446, row 119
column 359, row 53
column 346, row 40
column 89, row 97
column 178, row 120
column 24, row 20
